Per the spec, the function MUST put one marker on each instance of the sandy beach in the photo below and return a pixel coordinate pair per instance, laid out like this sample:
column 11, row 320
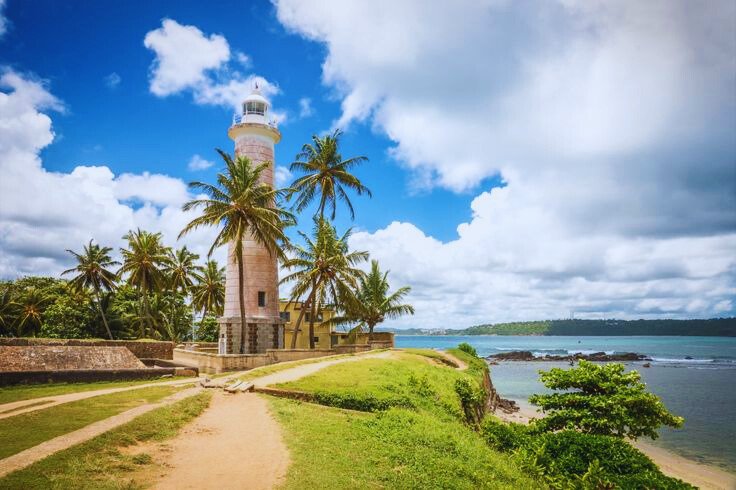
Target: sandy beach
column 698, row 474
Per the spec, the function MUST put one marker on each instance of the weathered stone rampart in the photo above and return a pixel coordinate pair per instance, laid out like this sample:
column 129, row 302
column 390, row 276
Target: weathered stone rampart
column 65, row 357
column 140, row 348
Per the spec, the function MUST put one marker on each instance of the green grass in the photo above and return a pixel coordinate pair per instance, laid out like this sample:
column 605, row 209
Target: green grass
column 275, row 368
column 398, row 448
column 432, row 354
column 29, row 429
column 27, row 392
column 99, row 462
column 377, row 384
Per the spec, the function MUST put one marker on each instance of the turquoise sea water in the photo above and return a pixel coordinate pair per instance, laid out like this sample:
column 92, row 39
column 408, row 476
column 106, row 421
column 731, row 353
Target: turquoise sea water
column 701, row 389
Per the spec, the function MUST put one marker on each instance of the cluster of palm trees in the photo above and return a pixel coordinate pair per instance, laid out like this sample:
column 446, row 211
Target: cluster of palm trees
column 150, row 268
column 323, row 271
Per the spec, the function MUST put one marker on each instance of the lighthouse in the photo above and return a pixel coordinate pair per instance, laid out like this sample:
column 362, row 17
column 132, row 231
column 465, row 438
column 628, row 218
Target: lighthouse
column 255, row 137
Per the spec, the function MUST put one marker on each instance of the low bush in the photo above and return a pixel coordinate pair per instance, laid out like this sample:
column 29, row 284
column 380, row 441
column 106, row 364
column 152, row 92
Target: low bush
column 467, row 348
column 472, row 399
column 364, row 402
column 570, row 459
column 504, row 437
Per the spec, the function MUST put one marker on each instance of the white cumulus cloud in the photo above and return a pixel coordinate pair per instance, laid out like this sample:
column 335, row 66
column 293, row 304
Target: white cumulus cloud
column 611, row 124
column 189, row 60
column 43, row 213
column 198, row 163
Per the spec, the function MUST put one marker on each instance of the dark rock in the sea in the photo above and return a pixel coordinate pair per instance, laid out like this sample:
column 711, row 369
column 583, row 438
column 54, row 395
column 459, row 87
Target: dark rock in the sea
column 646, row 365
column 516, row 355
column 525, row 355
column 688, row 358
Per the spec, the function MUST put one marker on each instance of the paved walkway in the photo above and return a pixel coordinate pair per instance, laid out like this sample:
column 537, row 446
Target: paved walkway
column 26, row 458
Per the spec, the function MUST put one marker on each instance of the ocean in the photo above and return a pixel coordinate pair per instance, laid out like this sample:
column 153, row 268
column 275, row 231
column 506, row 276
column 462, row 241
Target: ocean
column 694, row 376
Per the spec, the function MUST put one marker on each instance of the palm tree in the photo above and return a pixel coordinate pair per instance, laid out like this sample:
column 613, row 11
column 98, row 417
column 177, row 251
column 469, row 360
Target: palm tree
column 325, row 174
column 182, row 269
column 31, row 304
column 8, row 308
column 93, row 272
column 245, row 207
column 208, row 295
column 326, row 271
column 144, row 262
column 372, row 303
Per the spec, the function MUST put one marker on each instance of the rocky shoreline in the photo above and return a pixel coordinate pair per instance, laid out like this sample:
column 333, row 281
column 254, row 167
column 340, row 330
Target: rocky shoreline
column 525, row 355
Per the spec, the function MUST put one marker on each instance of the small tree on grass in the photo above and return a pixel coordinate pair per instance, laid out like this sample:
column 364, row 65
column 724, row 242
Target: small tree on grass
column 601, row 399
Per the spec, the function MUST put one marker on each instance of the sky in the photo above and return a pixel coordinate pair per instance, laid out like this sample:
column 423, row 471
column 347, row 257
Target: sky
column 528, row 160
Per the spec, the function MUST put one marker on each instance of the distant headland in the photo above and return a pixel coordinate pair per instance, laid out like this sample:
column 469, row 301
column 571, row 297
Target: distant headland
column 714, row 327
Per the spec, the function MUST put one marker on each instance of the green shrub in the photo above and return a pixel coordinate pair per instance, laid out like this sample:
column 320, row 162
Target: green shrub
column 502, row 436
column 471, row 399
column 579, row 458
column 467, row 348
column 586, row 395
column 361, row 401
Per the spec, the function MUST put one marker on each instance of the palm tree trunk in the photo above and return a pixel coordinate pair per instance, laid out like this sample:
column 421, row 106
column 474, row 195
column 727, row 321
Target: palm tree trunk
column 370, row 331
column 147, row 313
column 102, row 313
column 241, row 301
column 322, row 207
column 312, row 312
column 298, row 324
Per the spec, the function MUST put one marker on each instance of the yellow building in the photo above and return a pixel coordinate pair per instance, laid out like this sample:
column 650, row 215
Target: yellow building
column 325, row 335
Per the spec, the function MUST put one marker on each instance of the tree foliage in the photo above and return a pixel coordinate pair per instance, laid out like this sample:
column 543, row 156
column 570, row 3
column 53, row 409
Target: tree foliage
column 603, row 400
column 326, row 176
column 243, row 206
column 324, row 271
column 372, row 303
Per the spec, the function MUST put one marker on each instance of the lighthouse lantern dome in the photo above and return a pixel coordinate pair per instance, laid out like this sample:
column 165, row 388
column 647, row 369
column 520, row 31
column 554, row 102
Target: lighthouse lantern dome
column 255, row 107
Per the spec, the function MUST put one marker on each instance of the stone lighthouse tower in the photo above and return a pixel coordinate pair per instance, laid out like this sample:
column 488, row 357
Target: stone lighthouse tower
column 254, row 136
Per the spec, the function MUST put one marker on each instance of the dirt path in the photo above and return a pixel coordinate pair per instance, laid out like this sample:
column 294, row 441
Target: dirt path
column 31, row 455
column 461, row 365
column 32, row 404
column 235, row 443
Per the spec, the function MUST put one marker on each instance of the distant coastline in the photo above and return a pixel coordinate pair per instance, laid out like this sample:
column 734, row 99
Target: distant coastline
column 714, row 327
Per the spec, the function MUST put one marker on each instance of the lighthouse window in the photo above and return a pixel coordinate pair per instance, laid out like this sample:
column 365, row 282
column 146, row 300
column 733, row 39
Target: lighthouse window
column 261, row 298
column 255, row 108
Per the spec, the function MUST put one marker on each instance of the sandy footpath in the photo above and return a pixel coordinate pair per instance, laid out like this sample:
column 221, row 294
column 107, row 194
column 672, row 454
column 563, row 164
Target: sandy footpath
column 32, row 404
column 698, row 474
column 235, row 443
column 26, row 458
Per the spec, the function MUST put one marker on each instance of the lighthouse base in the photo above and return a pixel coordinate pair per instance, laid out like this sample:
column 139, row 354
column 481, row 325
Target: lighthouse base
column 261, row 334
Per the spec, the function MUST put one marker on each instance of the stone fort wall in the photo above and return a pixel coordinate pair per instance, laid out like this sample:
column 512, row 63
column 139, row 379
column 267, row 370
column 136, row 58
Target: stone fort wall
column 140, row 349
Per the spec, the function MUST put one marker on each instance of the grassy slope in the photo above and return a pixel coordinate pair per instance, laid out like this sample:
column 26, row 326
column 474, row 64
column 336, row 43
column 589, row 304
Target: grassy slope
column 27, row 430
column 27, row 392
column 383, row 382
column 282, row 366
column 99, row 463
column 427, row 446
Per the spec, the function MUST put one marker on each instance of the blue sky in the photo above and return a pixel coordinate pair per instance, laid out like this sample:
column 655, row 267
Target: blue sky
column 527, row 159
column 129, row 129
